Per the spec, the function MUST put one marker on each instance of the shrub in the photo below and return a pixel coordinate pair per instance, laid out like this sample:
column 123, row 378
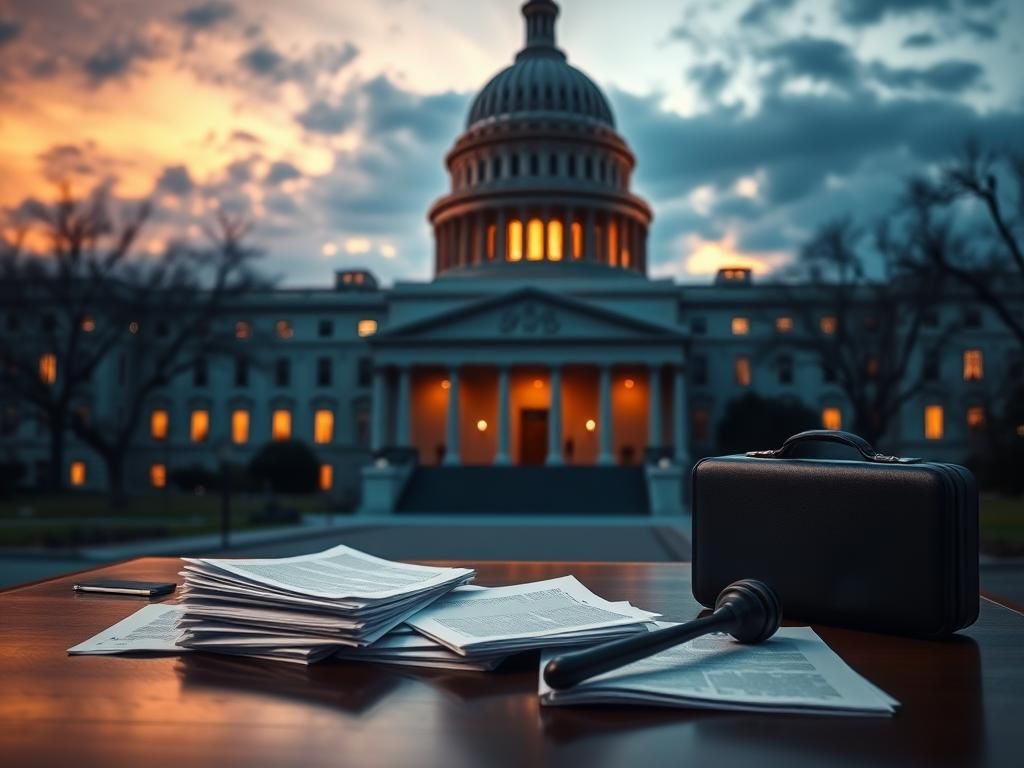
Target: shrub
column 753, row 423
column 12, row 473
column 287, row 467
column 194, row 476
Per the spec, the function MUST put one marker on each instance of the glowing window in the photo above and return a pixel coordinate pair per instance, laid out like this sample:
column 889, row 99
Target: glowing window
column 783, row 324
column 76, row 474
column 974, row 365
column 323, row 427
column 88, row 324
column 158, row 475
column 326, row 477
column 577, row 241
column 627, row 258
column 240, row 426
column 613, row 244
column 366, row 328
column 743, row 376
column 159, row 423
column 281, row 425
column 934, row 422
column 492, row 241
column 555, row 232
column 975, row 417
column 828, row 325
column 243, row 330
column 48, row 368
column 740, row 326
column 535, row 240
column 199, row 428
column 515, row 240
column 831, row 418
column 284, row 329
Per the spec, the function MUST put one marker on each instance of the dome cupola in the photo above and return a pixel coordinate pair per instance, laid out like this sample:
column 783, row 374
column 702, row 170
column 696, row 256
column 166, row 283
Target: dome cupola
column 540, row 174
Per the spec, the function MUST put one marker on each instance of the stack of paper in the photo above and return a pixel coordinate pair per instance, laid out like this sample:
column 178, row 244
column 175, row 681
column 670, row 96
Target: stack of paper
column 491, row 623
column 303, row 608
column 794, row 671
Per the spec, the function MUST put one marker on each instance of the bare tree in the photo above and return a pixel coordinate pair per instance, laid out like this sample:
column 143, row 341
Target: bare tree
column 53, row 345
column 869, row 334
column 985, row 253
column 176, row 304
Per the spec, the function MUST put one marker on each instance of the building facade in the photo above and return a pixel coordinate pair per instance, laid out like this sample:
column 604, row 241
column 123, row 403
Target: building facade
column 541, row 341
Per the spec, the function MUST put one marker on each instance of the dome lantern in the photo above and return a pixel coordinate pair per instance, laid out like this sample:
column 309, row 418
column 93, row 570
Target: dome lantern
column 540, row 18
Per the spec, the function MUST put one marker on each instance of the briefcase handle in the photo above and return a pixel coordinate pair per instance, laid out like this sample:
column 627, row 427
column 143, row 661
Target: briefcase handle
column 836, row 437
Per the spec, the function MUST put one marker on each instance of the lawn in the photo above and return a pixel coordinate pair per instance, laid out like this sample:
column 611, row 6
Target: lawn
column 85, row 519
column 1002, row 525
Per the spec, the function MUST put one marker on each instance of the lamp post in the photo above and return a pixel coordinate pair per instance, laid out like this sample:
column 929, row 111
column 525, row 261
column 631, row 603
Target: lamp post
column 224, row 456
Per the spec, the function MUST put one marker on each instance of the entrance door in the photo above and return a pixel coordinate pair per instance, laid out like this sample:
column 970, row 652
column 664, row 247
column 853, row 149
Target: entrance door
column 533, row 437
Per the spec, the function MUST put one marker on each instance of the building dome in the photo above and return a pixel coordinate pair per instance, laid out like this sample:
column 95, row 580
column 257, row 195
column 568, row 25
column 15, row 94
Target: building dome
column 540, row 179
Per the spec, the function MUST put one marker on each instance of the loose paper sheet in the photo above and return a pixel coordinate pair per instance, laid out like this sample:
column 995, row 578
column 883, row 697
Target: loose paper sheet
column 152, row 628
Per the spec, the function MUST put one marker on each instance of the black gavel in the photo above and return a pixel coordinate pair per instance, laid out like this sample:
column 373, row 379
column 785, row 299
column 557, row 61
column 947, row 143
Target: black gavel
column 749, row 610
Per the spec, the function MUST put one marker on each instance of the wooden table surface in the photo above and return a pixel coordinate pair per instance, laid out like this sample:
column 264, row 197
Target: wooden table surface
column 963, row 699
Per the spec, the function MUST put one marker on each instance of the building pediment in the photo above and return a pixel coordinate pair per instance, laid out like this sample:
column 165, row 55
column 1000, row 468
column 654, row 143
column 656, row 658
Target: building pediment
column 528, row 314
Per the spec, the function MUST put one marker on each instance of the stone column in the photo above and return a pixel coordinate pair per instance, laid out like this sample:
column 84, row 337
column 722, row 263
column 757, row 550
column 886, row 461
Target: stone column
column 654, row 407
column 567, row 235
column 500, row 235
column 555, row 419
column 377, row 410
column 680, row 418
column 501, row 456
column 465, row 224
column 605, row 457
column 403, row 437
column 589, row 241
column 545, row 217
column 480, row 253
column 451, row 456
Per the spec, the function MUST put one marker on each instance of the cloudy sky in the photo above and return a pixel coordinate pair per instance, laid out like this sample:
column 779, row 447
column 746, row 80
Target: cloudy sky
column 326, row 121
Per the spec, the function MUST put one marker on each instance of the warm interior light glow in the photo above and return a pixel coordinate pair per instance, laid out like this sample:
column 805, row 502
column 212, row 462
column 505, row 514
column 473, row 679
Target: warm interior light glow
column 974, row 365
column 48, row 368
column 743, row 375
column 243, row 330
column 514, row 246
column 538, row 384
column 975, row 417
column 159, row 423
column 284, row 329
column 281, row 425
column 535, row 240
column 326, row 477
column 199, row 428
column 740, row 326
column 158, row 475
column 88, row 324
column 133, row 327
column 240, row 427
column 577, row 241
column 492, row 241
column 629, row 383
column 555, row 234
column 76, row 474
column 831, row 418
column 323, row 427
column 828, row 325
column 613, row 244
column 627, row 258
column 784, row 324
column 934, row 418
column 366, row 328
column 481, row 426
column 446, row 384
column 591, row 425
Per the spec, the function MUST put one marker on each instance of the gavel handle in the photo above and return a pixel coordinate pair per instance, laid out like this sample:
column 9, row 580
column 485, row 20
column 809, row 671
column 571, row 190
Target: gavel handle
column 574, row 667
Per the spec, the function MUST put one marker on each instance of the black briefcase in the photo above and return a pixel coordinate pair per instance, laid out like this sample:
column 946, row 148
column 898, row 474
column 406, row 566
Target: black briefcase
column 845, row 535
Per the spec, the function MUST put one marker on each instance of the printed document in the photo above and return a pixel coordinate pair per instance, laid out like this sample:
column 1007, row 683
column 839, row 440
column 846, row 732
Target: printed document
column 794, row 671
column 152, row 629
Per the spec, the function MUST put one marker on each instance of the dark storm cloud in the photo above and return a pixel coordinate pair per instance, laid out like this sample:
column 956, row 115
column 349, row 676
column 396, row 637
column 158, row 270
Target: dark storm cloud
column 322, row 116
column 263, row 60
column 710, row 79
column 864, row 12
column 760, row 12
column 9, row 31
column 428, row 118
column 920, row 40
column 116, row 60
column 282, row 171
column 175, row 180
column 954, row 76
column 818, row 58
column 207, row 15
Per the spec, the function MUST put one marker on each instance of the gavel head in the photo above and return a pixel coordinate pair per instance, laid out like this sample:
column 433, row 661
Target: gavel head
column 757, row 609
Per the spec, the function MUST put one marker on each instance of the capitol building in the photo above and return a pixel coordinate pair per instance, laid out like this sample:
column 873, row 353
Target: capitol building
column 541, row 366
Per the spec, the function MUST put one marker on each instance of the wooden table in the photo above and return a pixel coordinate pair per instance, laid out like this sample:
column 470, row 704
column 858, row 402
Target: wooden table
column 963, row 700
